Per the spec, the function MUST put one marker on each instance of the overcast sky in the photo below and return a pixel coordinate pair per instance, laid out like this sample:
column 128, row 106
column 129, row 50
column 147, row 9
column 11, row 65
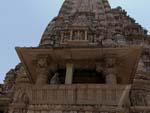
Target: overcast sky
column 22, row 23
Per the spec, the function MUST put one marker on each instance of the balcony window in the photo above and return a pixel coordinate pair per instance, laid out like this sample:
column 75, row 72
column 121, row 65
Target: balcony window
column 88, row 76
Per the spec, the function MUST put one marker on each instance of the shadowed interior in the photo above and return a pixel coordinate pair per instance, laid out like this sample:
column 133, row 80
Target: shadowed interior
column 89, row 76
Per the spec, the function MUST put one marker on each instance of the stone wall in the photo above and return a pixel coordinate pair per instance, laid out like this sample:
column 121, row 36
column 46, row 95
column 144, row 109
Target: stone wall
column 68, row 98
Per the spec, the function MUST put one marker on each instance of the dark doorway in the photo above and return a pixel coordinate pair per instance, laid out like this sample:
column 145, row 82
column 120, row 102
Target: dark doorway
column 62, row 75
column 89, row 76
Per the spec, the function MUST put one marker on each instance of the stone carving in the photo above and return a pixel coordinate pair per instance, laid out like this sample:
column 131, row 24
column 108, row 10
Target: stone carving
column 110, row 74
column 108, row 43
column 138, row 98
column 21, row 75
column 140, row 74
column 42, row 62
column 110, row 71
column 42, row 70
column 55, row 79
column 99, row 67
column 120, row 40
column 94, row 22
column 9, row 81
column 20, row 102
column 110, row 62
column 21, row 97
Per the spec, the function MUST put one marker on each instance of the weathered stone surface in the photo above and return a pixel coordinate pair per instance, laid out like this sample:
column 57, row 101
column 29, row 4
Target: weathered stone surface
column 89, row 60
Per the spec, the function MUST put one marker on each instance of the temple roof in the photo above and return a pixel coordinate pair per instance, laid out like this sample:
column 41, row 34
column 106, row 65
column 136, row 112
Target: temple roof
column 70, row 7
column 93, row 21
column 92, row 15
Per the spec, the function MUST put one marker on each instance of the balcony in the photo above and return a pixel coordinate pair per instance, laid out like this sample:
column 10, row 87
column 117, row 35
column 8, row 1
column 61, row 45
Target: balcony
column 77, row 94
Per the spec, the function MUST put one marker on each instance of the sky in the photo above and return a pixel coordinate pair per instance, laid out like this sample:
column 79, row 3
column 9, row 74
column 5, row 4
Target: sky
column 22, row 23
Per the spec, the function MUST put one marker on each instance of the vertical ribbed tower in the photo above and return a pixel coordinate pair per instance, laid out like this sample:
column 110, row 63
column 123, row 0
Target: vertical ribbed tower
column 91, row 59
column 91, row 19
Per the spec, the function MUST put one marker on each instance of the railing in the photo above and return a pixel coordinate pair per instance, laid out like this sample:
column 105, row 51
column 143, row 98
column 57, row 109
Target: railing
column 77, row 94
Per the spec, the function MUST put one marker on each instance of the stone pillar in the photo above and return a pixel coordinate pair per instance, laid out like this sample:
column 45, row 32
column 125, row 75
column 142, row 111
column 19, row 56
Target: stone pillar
column 110, row 71
column 110, row 76
column 42, row 77
column 69, row 73
column 71, row 34
column 42, row 71
column 78, row 35
column 86, row 36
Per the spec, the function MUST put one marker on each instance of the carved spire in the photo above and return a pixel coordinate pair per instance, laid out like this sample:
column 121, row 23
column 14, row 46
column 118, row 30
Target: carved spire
column 89, row 23
column 79, row 20
column 98, row 7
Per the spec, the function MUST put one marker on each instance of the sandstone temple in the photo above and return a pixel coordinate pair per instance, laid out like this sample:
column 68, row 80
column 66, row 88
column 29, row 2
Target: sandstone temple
column 91, row 59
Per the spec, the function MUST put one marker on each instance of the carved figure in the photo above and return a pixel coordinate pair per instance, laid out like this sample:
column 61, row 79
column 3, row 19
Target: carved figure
column 55, row 79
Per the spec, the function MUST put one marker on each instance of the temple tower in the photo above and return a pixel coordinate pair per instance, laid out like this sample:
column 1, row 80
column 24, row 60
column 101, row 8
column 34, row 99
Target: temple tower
column 81, row 21
column 85, row 63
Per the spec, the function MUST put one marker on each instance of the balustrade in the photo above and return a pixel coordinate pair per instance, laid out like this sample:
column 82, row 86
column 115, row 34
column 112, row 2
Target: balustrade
column 77, row 94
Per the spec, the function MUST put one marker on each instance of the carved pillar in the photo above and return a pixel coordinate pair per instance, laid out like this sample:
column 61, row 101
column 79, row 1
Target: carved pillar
column 78, row 35
column 42, row 71
column 110, row 71
column 71, row 34
column 69, row 73
column 86, row 36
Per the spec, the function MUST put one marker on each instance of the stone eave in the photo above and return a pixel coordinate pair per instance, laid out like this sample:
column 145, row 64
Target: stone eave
column 127, row 58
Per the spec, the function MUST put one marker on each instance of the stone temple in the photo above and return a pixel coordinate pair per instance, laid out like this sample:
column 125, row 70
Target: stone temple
column 91, row 59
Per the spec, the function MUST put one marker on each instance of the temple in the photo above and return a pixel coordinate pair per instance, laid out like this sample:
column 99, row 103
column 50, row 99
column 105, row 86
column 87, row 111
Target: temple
column 91, row 59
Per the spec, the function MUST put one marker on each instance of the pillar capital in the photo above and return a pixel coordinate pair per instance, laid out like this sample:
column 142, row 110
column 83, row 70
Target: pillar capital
column 110, row 62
